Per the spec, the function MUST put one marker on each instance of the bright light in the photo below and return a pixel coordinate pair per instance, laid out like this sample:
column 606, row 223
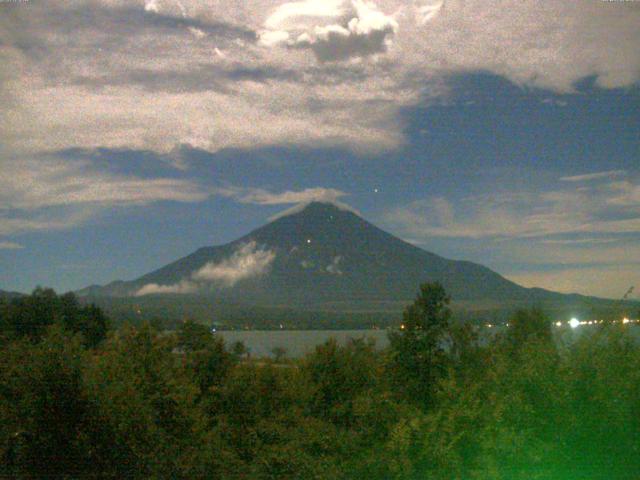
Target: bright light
column 574, row 323
column 558, row 324
column 625, row 320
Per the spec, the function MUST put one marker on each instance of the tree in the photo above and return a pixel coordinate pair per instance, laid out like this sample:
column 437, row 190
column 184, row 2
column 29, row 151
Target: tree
column 279, row 353
column 418, row 356
column 528, row 325
column 44, row 412
column 239, row 349
column 30, row 316
column 89, row 320
column 337, row 376
column 193, row 336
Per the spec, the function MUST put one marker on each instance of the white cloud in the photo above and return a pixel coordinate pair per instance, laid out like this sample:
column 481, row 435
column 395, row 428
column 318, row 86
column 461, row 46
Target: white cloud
column 40, row 193
column 104, row 73
column 593, row 176
column 627, row 194
column 612, row 208
column 363, row 29
column 426, row 12
column 273, row 38
column 43, row 182
column 182, row 287
column 301, row 206
column 263, row 197
column 44, row 221
column 10, row 246
column 299, row 14
column 334, row 266
column 248, row 261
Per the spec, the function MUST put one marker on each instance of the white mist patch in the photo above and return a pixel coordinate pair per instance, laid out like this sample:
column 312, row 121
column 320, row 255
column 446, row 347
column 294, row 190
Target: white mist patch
column 185, row 286
column 248, row 261
column 334, row 266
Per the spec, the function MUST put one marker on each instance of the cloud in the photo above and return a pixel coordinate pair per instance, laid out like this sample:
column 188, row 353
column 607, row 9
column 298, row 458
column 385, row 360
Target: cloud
column 627, row 194
column 248, row 261
column 363, row 30
column 263, row 197
column 334, row 266
column 578, row 241
column 612, row 208
column 10, row 246
column 302, row 198
column 182, row 287
column 428, row 10
column 44, row 182
column 301, row 206
column 104, row 73
column 53, row 192
column 44, row 221
column 609, row 282
column 593, row 176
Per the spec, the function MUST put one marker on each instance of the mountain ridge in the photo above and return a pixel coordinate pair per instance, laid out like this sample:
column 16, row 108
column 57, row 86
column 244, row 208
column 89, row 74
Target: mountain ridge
column 317, row 254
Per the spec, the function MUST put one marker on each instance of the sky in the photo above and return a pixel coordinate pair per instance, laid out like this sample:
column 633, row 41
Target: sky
column 133, row 132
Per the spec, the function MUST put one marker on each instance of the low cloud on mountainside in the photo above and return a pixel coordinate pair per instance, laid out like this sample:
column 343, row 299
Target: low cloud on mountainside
column 246, row 262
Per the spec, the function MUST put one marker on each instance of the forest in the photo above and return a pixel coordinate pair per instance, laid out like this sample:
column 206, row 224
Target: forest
column 81, row 399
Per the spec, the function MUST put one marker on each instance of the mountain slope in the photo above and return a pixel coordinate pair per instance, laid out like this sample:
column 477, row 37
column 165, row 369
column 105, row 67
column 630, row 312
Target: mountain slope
column 321, row 255
column 9, row 295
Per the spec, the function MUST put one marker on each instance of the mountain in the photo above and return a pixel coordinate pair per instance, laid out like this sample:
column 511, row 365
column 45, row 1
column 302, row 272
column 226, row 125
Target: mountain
column 4, row 295
column 323, row 257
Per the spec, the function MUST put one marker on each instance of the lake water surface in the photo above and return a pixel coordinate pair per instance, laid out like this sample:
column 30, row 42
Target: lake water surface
column 298, row 343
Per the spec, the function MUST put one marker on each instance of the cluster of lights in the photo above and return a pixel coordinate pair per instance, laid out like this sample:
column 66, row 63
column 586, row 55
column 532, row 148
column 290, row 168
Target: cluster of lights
column 575, row 323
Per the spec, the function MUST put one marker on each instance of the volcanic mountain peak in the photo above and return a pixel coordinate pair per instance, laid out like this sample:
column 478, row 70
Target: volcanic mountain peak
column 319, row 252
column 317, row 207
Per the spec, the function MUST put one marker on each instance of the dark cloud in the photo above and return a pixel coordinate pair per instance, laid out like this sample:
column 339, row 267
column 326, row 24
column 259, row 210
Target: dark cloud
column 341, row 45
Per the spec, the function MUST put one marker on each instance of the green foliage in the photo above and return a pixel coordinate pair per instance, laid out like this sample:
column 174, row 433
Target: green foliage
column 29, row 317
column 193, row 336
column 418, row 356
column 528, row 325
column 239, row 350
column 337, row 376
column 45, row 416
column 279, row 353
column 440, row 403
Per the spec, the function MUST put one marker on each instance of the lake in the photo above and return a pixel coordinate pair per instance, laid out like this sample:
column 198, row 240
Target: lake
column 298, row 343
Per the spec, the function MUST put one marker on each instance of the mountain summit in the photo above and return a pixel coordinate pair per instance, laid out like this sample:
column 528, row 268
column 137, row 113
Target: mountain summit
column 317, row 255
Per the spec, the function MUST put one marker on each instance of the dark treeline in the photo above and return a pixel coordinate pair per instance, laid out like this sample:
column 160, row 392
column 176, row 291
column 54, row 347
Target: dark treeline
column 78, row 400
